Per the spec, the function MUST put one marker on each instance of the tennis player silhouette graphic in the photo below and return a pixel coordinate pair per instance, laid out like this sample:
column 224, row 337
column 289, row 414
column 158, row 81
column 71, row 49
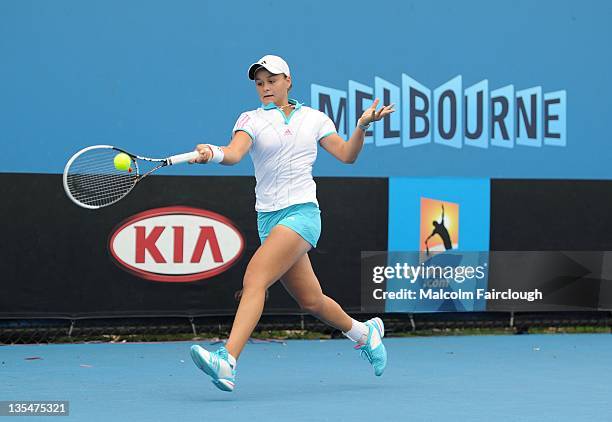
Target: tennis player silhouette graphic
column 440, row 230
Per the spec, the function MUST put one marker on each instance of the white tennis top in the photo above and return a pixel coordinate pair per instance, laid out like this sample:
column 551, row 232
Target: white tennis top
column 283, row 152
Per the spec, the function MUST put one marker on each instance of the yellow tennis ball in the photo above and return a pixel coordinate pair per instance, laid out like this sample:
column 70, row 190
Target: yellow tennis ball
column 122, row 161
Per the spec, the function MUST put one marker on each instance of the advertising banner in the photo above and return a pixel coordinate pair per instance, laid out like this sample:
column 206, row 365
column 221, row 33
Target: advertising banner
column 176, row 246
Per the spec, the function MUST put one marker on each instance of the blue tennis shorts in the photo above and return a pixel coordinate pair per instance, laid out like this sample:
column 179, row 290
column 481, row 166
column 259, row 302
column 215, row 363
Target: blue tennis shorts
column 304, row 219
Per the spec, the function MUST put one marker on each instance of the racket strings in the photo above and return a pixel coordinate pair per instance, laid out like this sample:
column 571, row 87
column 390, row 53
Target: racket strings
column 93, row 180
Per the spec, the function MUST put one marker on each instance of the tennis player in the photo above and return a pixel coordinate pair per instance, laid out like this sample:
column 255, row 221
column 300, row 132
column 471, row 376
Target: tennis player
column 281, row 137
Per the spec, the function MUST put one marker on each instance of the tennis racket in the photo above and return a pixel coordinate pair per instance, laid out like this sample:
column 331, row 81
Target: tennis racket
column 92, row 181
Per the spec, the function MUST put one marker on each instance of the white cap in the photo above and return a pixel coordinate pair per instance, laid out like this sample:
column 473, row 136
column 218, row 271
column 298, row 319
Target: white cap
column 273, row 64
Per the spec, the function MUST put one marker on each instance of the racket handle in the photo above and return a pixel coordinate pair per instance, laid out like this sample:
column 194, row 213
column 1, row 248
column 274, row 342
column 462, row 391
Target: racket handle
column 183, row 158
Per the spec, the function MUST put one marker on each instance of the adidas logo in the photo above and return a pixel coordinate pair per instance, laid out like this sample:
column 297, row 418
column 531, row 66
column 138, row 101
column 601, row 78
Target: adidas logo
column 288, row 132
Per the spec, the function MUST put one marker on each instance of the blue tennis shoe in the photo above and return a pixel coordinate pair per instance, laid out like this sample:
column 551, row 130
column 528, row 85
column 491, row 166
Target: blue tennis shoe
column 216, row 365
column 373, row 349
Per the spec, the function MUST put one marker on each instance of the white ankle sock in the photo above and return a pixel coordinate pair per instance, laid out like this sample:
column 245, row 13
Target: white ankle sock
column 358, row 332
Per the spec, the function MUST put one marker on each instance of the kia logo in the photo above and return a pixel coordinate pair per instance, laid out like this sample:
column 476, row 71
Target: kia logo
column 176, row 244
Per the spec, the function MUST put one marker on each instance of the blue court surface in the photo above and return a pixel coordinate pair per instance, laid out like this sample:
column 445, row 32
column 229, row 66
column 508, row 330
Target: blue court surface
column 475, row 378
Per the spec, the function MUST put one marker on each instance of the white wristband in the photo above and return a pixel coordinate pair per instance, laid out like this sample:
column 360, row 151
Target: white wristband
column 363, row 127
column 217, row 154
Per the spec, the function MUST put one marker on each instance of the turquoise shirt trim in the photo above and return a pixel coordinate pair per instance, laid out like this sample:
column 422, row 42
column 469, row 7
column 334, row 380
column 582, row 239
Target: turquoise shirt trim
column 272, row 106
column 326, row 135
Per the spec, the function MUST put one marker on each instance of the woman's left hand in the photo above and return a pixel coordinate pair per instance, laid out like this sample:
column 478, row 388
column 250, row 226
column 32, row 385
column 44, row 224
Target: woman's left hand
column 373, row 115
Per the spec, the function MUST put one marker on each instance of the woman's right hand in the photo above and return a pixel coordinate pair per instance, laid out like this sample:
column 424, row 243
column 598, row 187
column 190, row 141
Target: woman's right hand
column 204, row 152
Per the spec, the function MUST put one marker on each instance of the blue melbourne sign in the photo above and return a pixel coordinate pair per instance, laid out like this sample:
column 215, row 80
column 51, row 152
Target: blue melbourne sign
column 449, row 115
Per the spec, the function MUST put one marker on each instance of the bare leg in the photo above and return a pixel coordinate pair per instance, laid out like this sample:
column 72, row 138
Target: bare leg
column 279, row 252
column 302, row 283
